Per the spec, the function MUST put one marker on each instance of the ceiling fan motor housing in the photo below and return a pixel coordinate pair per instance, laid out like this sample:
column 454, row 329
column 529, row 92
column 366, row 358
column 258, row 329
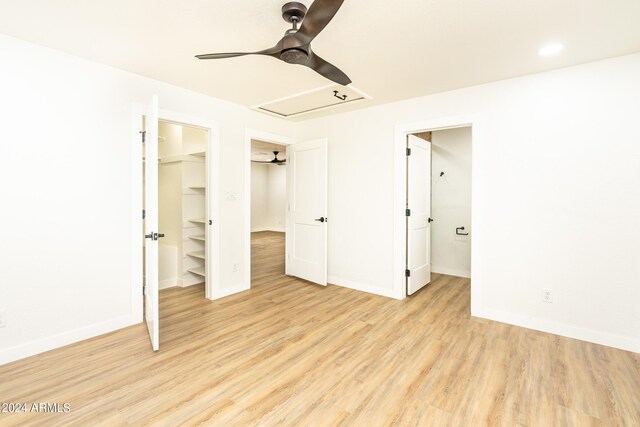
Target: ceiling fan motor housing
column 292, row 52
column 293, row 11
column 294, row 56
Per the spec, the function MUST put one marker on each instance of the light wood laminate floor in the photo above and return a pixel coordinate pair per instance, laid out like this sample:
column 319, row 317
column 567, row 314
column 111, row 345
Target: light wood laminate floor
column 289, row 353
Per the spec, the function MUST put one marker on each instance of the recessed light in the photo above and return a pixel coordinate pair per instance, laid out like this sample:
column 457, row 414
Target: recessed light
column 550, row 49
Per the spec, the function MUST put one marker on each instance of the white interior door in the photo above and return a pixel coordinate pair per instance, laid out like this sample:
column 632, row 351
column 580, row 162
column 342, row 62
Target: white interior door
column 151, row 223
column 418, row 213
column 307, row 225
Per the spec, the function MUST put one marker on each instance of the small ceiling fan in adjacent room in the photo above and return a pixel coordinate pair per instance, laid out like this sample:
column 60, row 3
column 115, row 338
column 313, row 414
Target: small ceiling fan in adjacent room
column 295, row 46
column 275, row 160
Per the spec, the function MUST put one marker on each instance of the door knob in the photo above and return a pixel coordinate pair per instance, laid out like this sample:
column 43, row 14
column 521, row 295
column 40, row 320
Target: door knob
column 430, row 220
column 321, row 219
column 153, row 236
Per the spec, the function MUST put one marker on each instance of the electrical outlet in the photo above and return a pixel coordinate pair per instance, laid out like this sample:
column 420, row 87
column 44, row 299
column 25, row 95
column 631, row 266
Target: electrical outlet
column 547, row 295
column 3, row 318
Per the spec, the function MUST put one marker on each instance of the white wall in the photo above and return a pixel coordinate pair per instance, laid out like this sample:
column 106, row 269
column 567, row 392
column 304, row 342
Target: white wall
column 259, row 197
column 451, row 201
column 268, row 197
column 558, row 164
column 277, row 197
column 66, row 220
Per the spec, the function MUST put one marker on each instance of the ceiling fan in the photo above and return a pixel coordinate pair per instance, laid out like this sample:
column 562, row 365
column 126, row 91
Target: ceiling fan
column 275, row 160
column 294, row 47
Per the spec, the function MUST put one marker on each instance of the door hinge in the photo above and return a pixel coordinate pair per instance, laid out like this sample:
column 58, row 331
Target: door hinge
column 144, row 214
column 407, row 212
column 144, row 135
column 408, row 151
column 407, row 273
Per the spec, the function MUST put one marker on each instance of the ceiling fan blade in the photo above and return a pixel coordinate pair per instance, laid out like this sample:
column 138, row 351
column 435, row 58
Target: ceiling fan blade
column 222, row 55
column 270, row 52
column 320, row 13
column 327, row 69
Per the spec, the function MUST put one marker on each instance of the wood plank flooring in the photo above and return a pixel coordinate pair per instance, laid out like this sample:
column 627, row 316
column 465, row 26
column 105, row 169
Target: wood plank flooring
column 289, row 353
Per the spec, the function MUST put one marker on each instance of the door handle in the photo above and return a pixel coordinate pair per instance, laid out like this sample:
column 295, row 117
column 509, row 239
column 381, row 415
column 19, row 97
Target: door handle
column 430, row 220
column 153, row 236
column 458, row 231
column 321, row 219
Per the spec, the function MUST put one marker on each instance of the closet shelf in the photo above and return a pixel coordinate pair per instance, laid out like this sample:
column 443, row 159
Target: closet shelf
column 198, row 188
column 198, row 220
column 200, row 154
column 199, row 237
column 197, row 270
column 196, row 254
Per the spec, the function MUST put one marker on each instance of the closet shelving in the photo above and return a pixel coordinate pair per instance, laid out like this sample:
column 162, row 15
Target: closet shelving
column 194, row 198
column 197, row 254
column 183, row 175
column 197, row 270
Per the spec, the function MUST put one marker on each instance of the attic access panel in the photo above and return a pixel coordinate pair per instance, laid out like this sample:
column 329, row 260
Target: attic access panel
column 322, row 98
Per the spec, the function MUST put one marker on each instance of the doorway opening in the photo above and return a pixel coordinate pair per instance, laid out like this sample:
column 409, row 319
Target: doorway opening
column 305, row 224
column 177, row 191
column 438, row 205
column 182, row 189
column 268, row 209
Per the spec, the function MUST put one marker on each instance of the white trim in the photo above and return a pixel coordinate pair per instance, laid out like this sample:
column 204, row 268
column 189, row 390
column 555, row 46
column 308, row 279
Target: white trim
column 477, row 124
column 451, row 271
column 359, row 286
column 168, row 283
column 562, row 329
column 225, row 292
column 65, row 338
column 250, row 134
column 137, row 224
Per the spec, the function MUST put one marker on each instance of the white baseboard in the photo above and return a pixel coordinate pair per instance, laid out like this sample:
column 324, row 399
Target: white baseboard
column 65, row 338
column 190, row 279
column 358, row 286
column 229, row 291
column 188, row 284
column 275, row 229
column 451, row 271
column 168, row 283
column 556, row 328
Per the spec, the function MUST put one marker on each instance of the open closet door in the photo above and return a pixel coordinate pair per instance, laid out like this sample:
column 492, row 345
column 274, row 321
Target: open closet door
column 307, row 225
column 418, row 213
column 151, row 223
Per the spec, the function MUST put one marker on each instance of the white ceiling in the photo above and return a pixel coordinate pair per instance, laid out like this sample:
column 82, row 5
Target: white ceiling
column 263, row 151
column 391, row 50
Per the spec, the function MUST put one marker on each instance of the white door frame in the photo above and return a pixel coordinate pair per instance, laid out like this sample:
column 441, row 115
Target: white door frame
column 250, row 134
column 213, row 192
column 478, row 132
